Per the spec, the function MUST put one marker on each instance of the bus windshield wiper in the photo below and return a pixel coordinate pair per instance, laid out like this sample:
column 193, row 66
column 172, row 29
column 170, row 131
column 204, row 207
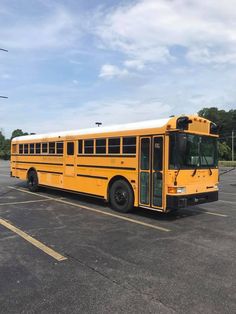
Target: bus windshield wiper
column 195, row 171
column 206, row 162
column 196, row 167
column 176, row 175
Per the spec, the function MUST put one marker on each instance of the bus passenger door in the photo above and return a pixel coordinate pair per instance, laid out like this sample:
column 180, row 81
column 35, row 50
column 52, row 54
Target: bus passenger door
column 145, row 171
column 69, row 160
column 157, row 171
column 151, row 172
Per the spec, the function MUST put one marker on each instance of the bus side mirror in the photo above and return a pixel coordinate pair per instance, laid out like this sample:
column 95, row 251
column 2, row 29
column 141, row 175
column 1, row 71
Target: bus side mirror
column 182, row 123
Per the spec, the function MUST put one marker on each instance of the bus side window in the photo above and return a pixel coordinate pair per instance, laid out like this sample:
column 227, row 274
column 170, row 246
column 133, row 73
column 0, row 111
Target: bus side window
column 70, row 148
column 129, row 145
column 59, row 147
column 44, row 148
column 80, row 146
column 31, row 148
column 26, row 148
column 38, row 148
column 21, row 149
column 88, row 146
column 52, row 148
column 101, row 146
column 114, row 145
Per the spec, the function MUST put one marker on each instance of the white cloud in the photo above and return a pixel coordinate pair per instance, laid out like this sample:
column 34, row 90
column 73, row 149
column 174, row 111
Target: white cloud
column 109, row 71
column 148, row 30
column 134, row 64
column 59, row 28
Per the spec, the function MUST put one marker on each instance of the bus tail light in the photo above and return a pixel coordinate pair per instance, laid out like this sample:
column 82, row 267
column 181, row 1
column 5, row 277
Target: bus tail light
column 176, row 190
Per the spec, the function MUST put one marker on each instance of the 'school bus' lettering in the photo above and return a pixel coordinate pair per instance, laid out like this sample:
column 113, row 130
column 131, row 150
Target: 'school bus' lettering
column 160, row 164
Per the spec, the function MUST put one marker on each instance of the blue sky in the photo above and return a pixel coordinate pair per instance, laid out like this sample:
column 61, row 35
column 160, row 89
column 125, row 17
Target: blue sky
column 72, row 63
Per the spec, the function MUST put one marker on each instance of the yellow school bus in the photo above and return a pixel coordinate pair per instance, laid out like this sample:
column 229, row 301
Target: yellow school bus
column 162, row 165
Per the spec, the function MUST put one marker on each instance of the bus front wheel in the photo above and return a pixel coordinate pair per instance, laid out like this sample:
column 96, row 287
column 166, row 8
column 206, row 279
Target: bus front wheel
column 32, row 181
column 121, row 196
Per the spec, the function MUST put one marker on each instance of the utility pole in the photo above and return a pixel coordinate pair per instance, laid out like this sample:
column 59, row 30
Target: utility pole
column 232, row 145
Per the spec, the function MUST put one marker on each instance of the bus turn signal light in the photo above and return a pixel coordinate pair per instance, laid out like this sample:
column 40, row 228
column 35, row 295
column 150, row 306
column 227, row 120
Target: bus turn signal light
column 176, row 190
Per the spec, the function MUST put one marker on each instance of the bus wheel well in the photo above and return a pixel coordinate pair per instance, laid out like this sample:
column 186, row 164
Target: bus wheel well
column 116, row 178
column 31, row 169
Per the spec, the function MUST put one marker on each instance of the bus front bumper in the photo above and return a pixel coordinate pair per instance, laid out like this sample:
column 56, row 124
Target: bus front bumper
column 182, row 201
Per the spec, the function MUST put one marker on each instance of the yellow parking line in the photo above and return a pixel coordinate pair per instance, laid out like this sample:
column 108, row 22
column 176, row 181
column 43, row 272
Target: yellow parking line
column 24, row 202
column 138, row 222
column 33, row 241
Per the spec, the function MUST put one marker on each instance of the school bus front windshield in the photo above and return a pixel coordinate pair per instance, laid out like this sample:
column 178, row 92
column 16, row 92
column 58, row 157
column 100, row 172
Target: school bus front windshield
column 188, row 151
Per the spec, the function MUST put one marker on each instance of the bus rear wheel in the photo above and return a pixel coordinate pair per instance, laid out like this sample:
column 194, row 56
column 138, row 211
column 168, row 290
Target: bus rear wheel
column 33, row 181
column 121, row 196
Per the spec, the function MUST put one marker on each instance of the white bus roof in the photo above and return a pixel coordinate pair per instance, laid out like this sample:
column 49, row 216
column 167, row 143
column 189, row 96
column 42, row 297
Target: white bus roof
column 98, row 130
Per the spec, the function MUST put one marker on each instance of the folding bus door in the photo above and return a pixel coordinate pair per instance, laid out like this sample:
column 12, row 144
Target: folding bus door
column 157, row 171
column 151, row 172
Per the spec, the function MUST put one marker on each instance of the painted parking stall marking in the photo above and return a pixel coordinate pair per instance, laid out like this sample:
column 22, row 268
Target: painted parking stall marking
column 138, row 222
column 33, row 241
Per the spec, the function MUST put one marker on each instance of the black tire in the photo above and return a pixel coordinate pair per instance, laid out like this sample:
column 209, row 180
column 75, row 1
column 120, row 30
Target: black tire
column 33, row 181
column 121, row 196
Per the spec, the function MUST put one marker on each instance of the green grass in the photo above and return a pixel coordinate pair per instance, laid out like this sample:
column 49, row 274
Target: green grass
column 225, row 163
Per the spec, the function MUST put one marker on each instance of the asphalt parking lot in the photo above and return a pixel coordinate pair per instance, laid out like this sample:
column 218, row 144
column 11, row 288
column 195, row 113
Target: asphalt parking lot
column 81, row 257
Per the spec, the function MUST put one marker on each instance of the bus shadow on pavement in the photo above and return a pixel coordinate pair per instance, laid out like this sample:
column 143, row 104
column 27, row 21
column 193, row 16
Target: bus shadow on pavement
column 137, row 211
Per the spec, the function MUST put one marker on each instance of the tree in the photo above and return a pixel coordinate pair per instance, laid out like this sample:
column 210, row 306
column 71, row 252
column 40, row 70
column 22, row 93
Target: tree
column 224, row 151
column 5, row 144
column 227, row 122
column 18, row 132
column 4, row 147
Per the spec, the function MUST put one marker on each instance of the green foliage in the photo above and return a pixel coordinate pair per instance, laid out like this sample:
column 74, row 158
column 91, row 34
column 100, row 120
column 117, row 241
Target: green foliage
column 227, row 122
column 5, row 144
column 225, row 163
column 18, row 132
column 224, row 151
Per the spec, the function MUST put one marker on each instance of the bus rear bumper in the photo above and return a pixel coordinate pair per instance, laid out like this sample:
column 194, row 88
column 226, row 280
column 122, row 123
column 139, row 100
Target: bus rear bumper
column 181, row 201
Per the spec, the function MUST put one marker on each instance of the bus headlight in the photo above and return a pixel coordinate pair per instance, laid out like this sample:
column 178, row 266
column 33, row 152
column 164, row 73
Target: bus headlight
column 176, row 190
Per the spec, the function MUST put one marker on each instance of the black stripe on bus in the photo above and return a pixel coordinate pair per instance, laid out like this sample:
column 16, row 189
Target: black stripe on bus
column 20, row 168
column 93, row 177
column 40, row 163
column 106, row 167
column 38, row 155
column 70, row 165
column 72, row 191
column 101, row 155
column 55, row 172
